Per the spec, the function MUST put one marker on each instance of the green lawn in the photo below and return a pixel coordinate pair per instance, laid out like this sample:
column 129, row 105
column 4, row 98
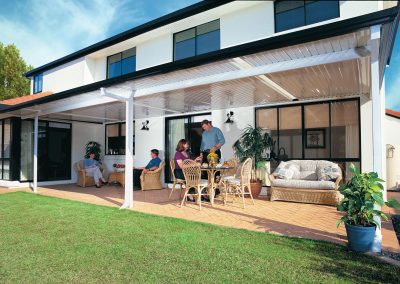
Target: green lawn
column 45, row 239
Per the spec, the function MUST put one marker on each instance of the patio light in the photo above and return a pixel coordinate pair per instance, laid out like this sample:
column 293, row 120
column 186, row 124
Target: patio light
column 229, row 117
column 145, row 125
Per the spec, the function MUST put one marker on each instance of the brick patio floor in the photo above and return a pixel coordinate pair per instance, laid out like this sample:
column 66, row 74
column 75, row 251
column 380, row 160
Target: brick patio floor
column 284, row 218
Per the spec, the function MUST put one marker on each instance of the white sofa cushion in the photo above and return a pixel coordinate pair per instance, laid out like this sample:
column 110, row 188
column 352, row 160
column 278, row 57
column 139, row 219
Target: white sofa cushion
column 308, row 175
column 304, row 184
column 328, row 172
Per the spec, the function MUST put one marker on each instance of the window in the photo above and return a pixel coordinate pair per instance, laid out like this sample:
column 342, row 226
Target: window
column 121, row 63
column 5, row 148
column 293, row 14
column 327, row 131
column 37, row 83
column 197, row 40
column 115, row 139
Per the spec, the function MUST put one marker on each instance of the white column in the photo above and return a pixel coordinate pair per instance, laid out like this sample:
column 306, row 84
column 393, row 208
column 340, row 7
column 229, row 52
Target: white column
column 378, row 157
column 35, row 152
column 129, row 155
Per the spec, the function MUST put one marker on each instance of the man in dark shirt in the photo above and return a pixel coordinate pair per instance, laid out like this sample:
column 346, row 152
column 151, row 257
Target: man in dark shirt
column 151, row 166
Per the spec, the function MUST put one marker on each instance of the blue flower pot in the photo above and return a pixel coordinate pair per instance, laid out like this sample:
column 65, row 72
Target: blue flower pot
column 360, row 238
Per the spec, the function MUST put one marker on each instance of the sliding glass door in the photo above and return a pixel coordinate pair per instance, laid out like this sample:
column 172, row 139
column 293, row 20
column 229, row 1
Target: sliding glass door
column 183, row 127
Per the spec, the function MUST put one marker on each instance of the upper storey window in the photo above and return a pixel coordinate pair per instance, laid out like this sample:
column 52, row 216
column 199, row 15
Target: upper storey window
column 197, row 40
column 121, row 63
column 37, row 83
column 293, row 14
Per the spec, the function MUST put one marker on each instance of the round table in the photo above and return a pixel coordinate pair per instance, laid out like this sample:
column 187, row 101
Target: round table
column 211, row 178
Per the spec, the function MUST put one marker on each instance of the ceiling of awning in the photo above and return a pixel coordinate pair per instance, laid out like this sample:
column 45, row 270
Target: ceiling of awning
column 331, row 68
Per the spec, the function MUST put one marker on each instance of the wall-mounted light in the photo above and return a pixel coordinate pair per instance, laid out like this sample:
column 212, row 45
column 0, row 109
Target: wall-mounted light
column 145, row 125
column 229, row 116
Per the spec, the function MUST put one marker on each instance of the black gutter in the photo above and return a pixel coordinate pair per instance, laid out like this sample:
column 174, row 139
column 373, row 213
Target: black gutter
column 303, row 36
column 186, row 12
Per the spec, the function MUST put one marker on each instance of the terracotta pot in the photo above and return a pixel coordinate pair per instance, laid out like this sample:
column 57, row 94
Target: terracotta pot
column 255, row 188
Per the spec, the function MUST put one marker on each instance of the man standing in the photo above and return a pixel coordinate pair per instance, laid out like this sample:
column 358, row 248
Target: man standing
column 212, row 140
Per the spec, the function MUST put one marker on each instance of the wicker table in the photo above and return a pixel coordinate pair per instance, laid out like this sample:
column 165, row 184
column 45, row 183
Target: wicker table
column 117, row 177
column 211, row 179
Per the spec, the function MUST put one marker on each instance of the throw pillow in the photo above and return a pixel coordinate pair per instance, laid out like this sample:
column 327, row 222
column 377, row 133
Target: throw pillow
column 329, row 173
column 287, row 171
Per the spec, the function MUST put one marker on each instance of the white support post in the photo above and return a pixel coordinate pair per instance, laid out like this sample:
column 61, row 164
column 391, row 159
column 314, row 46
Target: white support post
column 378, row 157
column 35, row 152
column 129, row 155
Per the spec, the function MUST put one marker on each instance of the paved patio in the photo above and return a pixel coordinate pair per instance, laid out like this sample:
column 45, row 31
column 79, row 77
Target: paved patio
column 284, row 218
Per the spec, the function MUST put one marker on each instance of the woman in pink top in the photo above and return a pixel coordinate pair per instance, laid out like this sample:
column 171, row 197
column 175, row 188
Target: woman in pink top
column 181, row 154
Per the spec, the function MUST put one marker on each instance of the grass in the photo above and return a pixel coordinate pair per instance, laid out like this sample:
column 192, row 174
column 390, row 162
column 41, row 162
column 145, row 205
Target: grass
column 45, row 239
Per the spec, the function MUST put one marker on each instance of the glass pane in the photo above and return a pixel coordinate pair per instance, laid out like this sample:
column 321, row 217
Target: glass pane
column 290, row 133
column 6, row 170
column 60, row 125
column 185, row 35
column 114, row 69
column 208, row 42
column 185, row 49
column 128, row 65
column 316, row 139
column 319, row 11
column 7, row 138
column 112, row 132
column 122, row 139
column 345, row 138
column 129, row 53
column 282, row 6
column 176, row 132
column 26, row 150
column 114, row 58
column 208, row 27
column 268, row 119
column 345, row 166
column 290, row 19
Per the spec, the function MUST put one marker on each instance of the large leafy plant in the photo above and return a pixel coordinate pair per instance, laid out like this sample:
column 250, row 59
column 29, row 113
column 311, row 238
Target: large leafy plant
column 253, row 144
column 361, row 195
column 94, row 147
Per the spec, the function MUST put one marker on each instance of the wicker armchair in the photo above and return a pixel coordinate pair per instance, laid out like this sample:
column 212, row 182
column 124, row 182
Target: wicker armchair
column 176, row 181
column 229, row 174
column 192, row 173
column 152, row 179
column 239, row 186
column 84, row 179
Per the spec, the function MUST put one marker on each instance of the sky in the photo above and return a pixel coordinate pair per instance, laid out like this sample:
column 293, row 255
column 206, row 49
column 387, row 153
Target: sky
column 45, row 30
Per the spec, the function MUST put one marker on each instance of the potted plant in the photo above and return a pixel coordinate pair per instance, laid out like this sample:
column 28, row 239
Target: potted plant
column 361, row 197
column 254, row 143
column 94, row 147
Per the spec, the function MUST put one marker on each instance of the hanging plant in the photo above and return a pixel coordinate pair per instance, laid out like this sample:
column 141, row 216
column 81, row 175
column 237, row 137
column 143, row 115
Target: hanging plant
column 94, row 147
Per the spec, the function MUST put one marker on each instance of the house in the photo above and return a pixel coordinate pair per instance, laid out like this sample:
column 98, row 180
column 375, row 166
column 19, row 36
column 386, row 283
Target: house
column 308, row 72
column 392, row 141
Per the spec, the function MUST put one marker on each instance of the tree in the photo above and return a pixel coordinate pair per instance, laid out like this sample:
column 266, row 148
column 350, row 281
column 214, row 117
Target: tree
column 12, row 67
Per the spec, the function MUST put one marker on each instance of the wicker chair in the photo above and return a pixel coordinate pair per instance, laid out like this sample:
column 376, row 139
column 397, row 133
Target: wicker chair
column 84, row 179
column 152, row 179
column 176, row 181
column 240, row 186
column 192, row 172
column 229, row 174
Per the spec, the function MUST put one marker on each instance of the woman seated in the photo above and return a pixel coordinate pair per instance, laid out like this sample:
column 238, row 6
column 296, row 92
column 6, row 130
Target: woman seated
column 92, row 167
column 182, row 153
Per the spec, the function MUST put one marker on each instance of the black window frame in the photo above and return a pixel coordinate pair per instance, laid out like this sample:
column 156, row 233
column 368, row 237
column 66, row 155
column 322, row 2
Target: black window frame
column 303, row 129
column 34, row 90
column 305, row 14
column 108, row 58
column 195, row 39
column 119, row 137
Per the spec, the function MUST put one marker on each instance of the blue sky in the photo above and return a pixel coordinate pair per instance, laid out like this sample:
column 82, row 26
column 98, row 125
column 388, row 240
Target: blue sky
column 45, row 30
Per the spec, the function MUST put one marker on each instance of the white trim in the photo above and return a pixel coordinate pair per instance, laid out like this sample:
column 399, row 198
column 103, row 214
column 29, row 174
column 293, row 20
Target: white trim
column 128, row 203
column 35, row 153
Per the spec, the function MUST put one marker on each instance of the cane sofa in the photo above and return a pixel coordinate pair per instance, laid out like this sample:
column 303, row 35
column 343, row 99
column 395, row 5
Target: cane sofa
column 313, row 181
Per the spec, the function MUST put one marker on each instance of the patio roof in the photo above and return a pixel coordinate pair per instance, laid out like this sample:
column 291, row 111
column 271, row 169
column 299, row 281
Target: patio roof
column 330, row 68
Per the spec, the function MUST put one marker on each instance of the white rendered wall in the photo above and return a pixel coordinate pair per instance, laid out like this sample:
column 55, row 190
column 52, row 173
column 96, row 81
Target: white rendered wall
column 367, row 152
column 64, row 77
column 392, row 130
column 349, row 9
column 154, row 52
column 246, row 25
column 89, row 70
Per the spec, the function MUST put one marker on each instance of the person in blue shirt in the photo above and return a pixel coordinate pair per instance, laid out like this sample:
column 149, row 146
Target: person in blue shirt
column 212, row 140
column 151, row 166
column 92, row 167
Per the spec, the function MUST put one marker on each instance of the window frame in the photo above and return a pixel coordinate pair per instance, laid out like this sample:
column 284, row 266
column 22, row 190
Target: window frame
column 302, row 105
column 121, row 55
column 195, row 39
column 119, row 136
column 305, row 15
column 34, row 90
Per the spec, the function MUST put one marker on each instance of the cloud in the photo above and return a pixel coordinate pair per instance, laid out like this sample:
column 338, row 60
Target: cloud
column 53, row 29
